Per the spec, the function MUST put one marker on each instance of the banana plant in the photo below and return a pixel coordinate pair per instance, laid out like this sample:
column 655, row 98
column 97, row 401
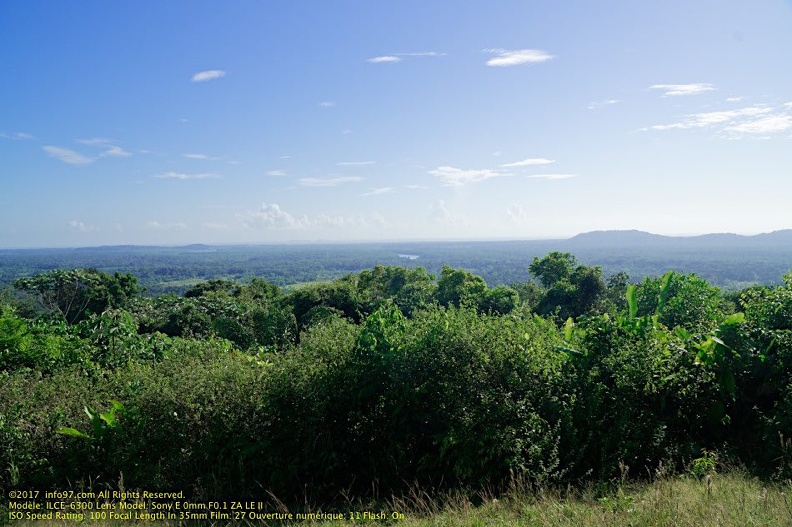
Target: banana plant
column 101, row 423
column 715, row 353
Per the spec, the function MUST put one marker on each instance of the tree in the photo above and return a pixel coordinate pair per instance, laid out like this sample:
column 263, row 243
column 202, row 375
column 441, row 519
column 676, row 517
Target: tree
column 571, row 289
column 500, row 300
column 228, row 286
column 683, row 300
column 77, row 293
column 409, row 289
column 554, row 267
column 458, row 287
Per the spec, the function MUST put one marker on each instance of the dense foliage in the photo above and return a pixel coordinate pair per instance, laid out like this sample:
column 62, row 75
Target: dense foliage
column 386, row 378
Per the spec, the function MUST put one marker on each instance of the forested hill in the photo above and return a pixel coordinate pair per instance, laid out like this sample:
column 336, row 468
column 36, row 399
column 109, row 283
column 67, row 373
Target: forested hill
column 726, row 260
column 633, row 238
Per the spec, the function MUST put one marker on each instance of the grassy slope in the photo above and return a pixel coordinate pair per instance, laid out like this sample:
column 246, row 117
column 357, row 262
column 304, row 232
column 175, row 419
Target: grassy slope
column 732, row 499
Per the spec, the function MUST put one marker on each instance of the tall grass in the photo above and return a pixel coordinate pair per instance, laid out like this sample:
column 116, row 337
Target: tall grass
column 730, row 499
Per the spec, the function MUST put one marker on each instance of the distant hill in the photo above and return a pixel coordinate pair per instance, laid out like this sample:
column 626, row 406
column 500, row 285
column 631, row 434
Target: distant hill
column 616, row 238
column 636, row 238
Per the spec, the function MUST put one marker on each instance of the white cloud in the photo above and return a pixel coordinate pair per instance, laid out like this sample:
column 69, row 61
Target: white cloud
column 417, row 187
column 354, row 163
column 115, row 151
column 734, row 99
column 183, row 176
column 384, row 59
column 208, row 75
column 67, row 156
column 599, row 104
column 17, row 136
column 277, row 173
column 671, row 90
column 327, row 104
column 195, row 156
column 766, row 125
column 457, row 177
column 552, row 177
column 380, row 190
column 707, row 119
column 80, row 226
column 110, row 146
column 270, row 215
column 517, row 57
column 328, row 182
column 421, row 54
column 439, row 213
column 529, row 163
column 517, row 214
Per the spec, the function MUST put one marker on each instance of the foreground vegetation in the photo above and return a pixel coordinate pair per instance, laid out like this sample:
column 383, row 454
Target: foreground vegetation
column 392, row 379
column 731, row 499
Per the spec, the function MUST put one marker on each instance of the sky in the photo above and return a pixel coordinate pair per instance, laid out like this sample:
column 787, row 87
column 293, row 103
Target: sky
column 179, row 122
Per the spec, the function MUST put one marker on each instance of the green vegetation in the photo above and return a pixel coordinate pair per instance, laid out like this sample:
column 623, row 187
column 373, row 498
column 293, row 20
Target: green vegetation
column 391, row 379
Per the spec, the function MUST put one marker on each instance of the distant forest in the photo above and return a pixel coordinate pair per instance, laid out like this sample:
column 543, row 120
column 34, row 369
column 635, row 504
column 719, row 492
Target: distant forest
column 728, row 261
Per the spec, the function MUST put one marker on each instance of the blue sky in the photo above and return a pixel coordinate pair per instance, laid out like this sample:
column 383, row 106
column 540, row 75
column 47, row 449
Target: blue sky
column 263, row 122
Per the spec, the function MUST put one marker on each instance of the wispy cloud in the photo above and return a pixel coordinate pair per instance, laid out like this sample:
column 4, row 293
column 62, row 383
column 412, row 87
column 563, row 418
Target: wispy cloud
column 457, row 177
column 529, row 163
column 380, row 190
column 506, row 57
column 67, row 156
column 277, row 173
column 707, row 119
column 552, row 177
column 734, row 99
column 79, row 226
column 182, row 176
column 397, row 57
column 671, row 90
column 599, row 104
column 517, row 214
column 440, row 213
column 271, row 216
column 327, row 104
column 421, row 54
column 208, row 75
column 195, row 156
column 328, row 182
column 115, row 151
column 111, row 148
column 766, row 125
column 355, row 163
column 17, row 136
column 384, row 59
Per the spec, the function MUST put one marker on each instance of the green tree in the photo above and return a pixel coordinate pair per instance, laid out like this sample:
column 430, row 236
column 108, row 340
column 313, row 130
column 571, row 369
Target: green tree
column 553, row 268
column 571, row 289
column 683, row 300
column 408, row 289
column 77, row 293
column 458, row 287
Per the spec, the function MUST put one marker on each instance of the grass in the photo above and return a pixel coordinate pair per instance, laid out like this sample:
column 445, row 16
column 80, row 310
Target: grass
column 731, row 499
